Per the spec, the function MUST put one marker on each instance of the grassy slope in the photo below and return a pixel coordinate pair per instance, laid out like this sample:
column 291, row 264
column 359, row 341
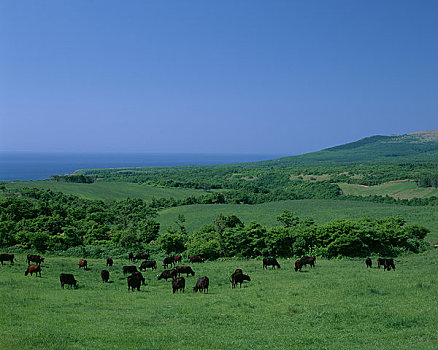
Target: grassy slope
column 396, row 189
column 337, row 305
column 321, row 210
column 421, row 146
column 109, row 190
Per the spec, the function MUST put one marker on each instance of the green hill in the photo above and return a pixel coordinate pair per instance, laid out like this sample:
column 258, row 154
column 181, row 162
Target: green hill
column 418, row 146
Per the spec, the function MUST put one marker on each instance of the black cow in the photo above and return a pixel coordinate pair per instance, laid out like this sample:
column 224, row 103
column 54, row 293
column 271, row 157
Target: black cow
column 34, row 258
column 140, row 276
column 168, row 261
column 387, row 264
column 369, row 263
column 134, row 282
column 270, row 262
column 298, row 265
column 33, row 268
column 308, row 260
column 196, row 259
column 202, row 285
column 67, row 278
column 151, row 264
column 83, row 263
column 141, row 256
column 184, row 269
column 109, row 262
column 178, row 283
column 105, row 275
column 7, row 257
column 238, row 278
column 129, row 269
column 167, row 274
column 131, row 257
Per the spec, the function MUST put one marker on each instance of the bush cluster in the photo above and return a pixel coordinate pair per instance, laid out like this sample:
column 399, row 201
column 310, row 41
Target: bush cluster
column 388, row 237
column 43, row 219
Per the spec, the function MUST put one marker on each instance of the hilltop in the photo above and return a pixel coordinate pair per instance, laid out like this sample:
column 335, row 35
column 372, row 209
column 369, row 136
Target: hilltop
column 417, row 146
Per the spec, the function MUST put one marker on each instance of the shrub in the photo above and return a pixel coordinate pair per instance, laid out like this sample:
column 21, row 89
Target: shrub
column 172, row 242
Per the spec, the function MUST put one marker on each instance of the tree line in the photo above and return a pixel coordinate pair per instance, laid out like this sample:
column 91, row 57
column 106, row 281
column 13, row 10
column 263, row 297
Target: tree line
column 43, row 219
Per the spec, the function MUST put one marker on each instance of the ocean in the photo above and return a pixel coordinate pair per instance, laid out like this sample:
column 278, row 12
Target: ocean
column 40, row 166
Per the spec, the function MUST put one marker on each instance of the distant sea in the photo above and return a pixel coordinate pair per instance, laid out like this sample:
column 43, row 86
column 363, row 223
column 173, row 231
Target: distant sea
column 40, row 166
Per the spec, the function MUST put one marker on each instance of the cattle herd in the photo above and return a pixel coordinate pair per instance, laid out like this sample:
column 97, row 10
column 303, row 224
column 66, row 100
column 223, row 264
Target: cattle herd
column 136, row 279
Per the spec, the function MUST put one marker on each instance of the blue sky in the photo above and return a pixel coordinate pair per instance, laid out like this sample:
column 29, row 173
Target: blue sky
column 283, row 77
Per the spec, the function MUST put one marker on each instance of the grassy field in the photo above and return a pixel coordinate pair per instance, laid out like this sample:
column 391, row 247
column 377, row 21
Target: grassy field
column 108, row 190
column 321, row 210
column 337, row 305
column 396, row 189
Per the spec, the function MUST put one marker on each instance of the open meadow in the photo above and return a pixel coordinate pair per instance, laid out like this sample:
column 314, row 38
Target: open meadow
column 339, row 304
column 322, row 210
column 398, row 189
column 108, row 190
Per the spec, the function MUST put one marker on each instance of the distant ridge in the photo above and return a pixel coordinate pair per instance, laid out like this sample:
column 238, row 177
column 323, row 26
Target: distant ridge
column 412, row 147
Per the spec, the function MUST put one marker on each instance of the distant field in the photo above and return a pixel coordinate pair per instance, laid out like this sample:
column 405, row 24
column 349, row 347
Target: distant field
column 396, row 189
column 108, row 190
column 339, row 304
column 321, row 210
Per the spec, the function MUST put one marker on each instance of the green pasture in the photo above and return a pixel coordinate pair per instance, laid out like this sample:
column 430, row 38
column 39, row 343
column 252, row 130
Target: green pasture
column 321, row 210
column 339, row 304
column 108, row 190
column 396, row 189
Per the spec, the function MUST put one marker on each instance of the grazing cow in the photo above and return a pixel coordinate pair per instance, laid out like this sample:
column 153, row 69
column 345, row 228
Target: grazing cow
column 34, row 258
column 167, row 274
column 238, row 278
column 141, row 256
column 67, row 278
column 33, row 268
column 109, row 262
column 270, row 262
column 196, row 259
column 387, row 264
column 369, row 263
column 184, row 269
column 308, row 260
column 131, row 257
column 105, row 275
column 134, row 282
column 202, row 284
column 139, row 276
column 83, row 263
column 149, row 264
column 177, row 258
column 168, row 261
column 178, row 283
column 7, row 257
column 298, row 265
column 129, row 269
column 380, row 262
